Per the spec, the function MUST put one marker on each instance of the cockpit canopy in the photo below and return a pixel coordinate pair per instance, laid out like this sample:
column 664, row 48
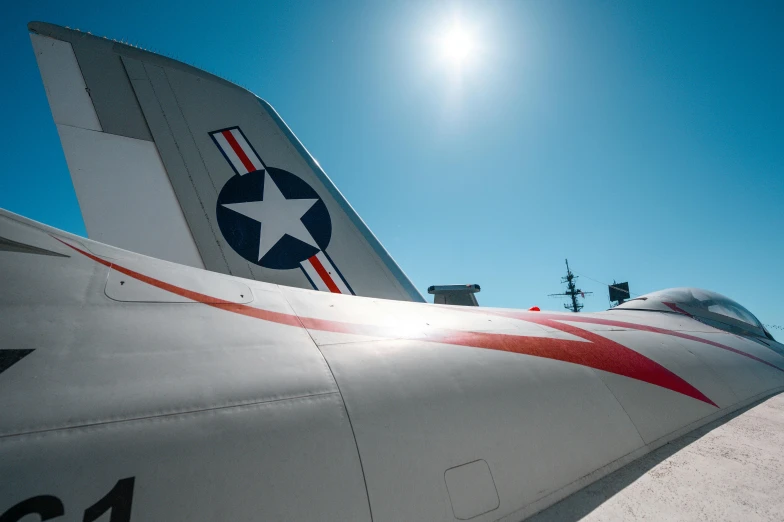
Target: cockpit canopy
column 709, row 307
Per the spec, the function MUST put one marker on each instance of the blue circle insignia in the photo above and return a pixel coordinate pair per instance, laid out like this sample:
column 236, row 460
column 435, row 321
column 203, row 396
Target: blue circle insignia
column 241, row 217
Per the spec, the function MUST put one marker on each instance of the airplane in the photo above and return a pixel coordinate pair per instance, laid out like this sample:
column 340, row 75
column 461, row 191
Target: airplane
column 233, row 343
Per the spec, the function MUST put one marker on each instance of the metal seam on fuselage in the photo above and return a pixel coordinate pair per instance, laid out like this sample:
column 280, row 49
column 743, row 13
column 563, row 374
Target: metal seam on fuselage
column 160, row 415
column 345, row 408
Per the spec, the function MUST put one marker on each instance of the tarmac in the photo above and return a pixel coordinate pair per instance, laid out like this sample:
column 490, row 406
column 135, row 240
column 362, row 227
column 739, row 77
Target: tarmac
column 730, row 469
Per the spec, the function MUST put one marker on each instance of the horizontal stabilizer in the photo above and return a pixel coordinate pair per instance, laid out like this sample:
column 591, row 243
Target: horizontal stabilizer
column 460, row 295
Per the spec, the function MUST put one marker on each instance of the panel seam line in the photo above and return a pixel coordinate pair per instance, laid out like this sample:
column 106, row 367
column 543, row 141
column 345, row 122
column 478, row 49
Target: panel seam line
column 161, row 415
column 343, row 400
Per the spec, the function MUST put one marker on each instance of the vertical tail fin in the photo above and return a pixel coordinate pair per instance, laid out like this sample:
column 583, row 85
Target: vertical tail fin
column 176, row 163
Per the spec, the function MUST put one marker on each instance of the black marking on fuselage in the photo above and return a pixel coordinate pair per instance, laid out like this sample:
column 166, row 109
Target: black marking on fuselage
column 9, row 245
column 10, row 357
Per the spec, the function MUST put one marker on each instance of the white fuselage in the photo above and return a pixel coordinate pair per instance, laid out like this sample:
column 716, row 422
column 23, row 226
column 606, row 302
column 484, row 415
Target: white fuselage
column 230, row 399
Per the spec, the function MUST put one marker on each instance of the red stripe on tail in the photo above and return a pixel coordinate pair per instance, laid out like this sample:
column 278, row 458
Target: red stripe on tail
column 238, row 150
column 324, row 275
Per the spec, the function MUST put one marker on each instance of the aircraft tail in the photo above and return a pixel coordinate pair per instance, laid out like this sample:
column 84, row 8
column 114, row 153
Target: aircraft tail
column 178, row 164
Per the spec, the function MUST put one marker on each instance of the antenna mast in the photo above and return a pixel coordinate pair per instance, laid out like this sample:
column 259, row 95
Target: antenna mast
column 571, row 291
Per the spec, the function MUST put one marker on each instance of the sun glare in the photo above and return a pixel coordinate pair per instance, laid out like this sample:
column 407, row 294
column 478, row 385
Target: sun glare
column 457, row 45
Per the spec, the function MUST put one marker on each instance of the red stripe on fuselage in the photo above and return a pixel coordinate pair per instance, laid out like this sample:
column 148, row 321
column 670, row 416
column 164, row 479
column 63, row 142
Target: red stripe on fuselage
column 634, row 364
column 238, row 150
column 598, row 352
column 633, row 326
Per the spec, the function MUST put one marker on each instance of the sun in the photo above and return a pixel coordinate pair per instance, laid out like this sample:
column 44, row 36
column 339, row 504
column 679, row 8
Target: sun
column 457, row 45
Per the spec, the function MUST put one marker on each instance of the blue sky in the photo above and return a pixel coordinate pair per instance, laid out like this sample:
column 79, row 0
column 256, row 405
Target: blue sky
column 642, row 140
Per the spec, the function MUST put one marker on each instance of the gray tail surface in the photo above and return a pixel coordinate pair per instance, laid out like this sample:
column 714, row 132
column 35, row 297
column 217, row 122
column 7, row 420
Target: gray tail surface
column 175, row 163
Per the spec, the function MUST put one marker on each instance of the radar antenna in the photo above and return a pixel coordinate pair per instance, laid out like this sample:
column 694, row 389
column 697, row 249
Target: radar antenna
column 571, row 291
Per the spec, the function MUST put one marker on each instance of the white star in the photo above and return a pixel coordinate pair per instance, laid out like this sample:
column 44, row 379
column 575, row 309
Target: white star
column 278, row 216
